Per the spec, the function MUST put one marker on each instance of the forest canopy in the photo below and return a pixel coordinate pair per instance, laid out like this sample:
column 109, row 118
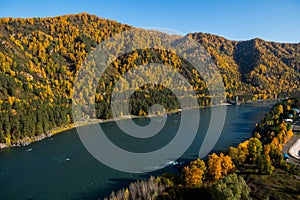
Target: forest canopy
column 40, row 57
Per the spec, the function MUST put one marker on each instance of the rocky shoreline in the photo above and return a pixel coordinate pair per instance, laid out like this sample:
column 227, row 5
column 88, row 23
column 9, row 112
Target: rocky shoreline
column 27, row 140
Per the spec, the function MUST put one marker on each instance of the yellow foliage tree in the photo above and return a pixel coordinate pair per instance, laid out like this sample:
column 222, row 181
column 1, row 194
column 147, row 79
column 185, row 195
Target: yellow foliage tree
column 214, row 166
column 193, row 174
column 289, row 134
column 243, row 151
column 226, row 163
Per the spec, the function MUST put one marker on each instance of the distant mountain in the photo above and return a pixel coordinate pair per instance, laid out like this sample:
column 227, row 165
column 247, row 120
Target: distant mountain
column 39, row 58
column 265, row 68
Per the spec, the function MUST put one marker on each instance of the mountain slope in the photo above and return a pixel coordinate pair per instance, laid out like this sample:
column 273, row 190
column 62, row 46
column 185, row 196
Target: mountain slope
column 255, row 66
column 39, row 58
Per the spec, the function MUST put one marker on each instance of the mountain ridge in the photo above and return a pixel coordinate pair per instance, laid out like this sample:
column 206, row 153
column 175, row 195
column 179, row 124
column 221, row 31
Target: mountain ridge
column 102, row 18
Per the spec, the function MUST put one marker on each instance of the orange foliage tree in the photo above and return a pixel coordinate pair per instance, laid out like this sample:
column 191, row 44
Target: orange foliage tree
column 194, row 173
column 219, row 165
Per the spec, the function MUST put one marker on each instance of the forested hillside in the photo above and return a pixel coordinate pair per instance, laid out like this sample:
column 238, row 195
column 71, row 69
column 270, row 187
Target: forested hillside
column 39, row 59
column 256, row 67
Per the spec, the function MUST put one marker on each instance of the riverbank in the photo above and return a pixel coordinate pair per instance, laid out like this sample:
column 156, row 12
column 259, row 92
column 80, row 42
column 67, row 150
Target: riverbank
column 28, row 140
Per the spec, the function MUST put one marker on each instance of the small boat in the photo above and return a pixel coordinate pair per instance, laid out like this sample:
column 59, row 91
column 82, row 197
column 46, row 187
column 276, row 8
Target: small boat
column 67, row 159
column 29, row 150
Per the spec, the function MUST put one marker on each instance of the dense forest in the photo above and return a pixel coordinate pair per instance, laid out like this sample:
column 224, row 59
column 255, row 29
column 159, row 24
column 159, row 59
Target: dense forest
column 256, row 67
column 40, row 57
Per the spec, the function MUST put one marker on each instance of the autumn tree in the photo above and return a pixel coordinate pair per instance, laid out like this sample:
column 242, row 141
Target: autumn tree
column 214, row 166
column 219, row 165
column 255, row 149
column 239, row 154
column 279, row 109
column 276, row 156
column 226, row 164
column 193, row 174
column 264, row 164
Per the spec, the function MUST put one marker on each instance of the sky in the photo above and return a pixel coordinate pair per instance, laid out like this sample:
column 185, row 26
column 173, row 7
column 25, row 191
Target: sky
column 271, row 20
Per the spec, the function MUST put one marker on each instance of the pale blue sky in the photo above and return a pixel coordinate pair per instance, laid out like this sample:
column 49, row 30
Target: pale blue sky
column 239, row 20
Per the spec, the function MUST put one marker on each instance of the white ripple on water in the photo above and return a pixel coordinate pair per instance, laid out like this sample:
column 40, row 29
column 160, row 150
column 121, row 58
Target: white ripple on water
column 61, row 158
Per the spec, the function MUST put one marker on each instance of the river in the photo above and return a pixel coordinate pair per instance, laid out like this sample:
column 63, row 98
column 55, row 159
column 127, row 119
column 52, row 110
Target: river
column 61, row 168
